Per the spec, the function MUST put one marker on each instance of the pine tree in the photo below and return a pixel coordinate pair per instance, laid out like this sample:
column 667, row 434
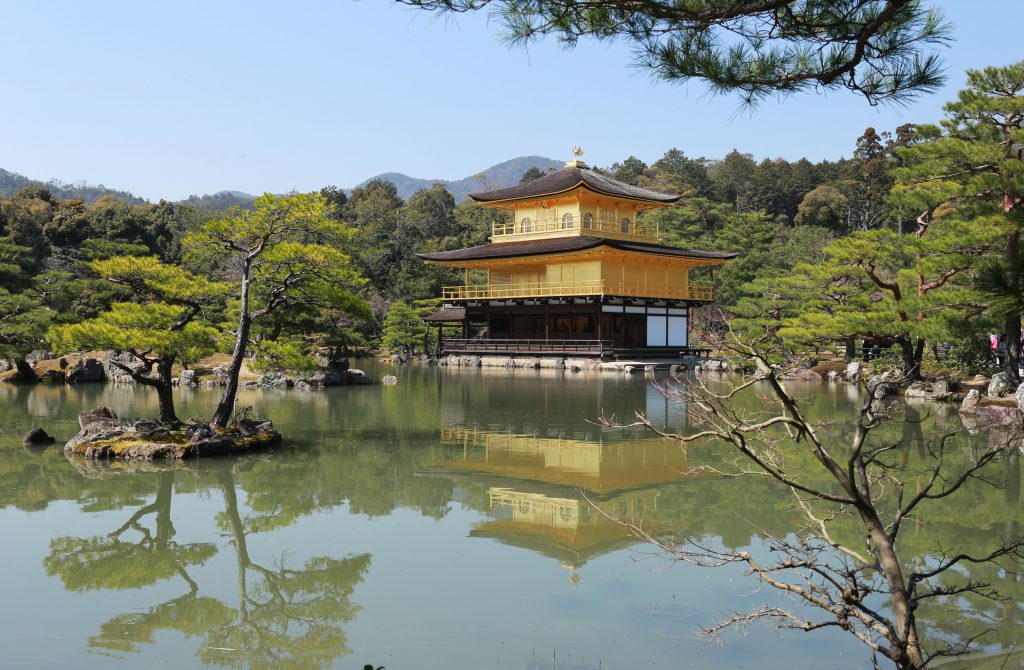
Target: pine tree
column 282, row 255
column 971, row 166
column 164, row 324
column 403, row 329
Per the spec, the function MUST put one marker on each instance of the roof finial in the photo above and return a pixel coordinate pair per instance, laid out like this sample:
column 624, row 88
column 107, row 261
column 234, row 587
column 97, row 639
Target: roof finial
column 576, row 162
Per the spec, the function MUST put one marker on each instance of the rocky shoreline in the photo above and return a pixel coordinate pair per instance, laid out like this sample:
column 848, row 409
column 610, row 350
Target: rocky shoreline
column 91, row 368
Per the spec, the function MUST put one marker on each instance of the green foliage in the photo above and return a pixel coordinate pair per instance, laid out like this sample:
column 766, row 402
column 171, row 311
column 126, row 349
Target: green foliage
column 133, row 327
column 970, row 168
column 878, row 49
column 403, row 329
column 533, row 172
column 887, row 288
column 23, row 323
column 16, row 263
column 630, row 171
column 285, row 257
column 164, row 324
column 825, row 206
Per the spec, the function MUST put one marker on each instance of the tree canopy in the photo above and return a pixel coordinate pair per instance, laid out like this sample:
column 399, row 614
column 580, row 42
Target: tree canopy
column 880, row 49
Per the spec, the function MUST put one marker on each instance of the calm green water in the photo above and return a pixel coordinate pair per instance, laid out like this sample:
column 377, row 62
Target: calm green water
column 440, row 523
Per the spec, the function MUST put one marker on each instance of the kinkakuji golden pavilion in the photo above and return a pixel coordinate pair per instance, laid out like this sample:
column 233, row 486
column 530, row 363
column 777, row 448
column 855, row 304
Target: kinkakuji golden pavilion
column 576, row 271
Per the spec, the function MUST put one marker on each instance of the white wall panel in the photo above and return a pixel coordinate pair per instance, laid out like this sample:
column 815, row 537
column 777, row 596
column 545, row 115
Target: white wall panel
column 656, row 331
column 677, row 331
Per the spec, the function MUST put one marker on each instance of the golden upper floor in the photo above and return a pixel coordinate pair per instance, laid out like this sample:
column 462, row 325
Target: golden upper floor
column 574, row 201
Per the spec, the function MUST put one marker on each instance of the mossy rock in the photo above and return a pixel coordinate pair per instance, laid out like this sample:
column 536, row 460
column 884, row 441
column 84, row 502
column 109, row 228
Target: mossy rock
column 147, row 440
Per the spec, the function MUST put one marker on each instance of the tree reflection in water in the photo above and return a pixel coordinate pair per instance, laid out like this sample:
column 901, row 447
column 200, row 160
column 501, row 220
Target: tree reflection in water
column 285, row 617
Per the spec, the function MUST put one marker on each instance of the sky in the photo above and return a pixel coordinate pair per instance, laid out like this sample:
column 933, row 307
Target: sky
column 171, row 99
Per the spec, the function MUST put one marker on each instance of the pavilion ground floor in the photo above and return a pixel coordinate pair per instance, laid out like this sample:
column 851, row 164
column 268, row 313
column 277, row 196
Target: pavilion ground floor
column 603, row 326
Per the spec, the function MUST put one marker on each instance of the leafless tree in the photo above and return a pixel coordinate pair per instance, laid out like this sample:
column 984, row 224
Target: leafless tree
column 860, row 481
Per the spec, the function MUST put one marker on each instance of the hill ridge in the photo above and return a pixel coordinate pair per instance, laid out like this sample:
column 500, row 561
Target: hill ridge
column 500, row 175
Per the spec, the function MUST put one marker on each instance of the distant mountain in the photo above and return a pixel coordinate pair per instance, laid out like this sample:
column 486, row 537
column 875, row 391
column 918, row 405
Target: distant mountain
column 497, row 176
column 12, row 182
column 220, row 200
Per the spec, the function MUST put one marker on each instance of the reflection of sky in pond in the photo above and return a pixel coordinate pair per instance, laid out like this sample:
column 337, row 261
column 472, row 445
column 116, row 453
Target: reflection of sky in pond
column 447, row 520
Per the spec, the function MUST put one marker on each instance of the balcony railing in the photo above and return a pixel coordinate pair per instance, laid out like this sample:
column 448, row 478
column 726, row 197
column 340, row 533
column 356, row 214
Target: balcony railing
column 526, row 346
column 594, row 287
column 571, row 223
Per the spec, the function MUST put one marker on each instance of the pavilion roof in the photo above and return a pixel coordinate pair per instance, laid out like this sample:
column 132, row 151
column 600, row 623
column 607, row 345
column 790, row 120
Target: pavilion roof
column 566, row 244
column 569, row 178
column 447, row 314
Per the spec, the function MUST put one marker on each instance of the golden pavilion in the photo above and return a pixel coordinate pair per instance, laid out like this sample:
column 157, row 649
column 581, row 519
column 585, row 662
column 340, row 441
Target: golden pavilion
column 577, row 271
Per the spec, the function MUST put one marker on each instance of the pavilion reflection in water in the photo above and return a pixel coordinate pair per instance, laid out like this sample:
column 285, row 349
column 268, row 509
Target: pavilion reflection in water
column 562, row 497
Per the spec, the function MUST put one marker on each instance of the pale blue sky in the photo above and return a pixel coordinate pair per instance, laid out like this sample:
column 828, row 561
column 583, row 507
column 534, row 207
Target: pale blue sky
column 171, row 99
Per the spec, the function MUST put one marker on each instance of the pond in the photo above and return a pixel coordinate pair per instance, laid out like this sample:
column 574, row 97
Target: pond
column 451, row 521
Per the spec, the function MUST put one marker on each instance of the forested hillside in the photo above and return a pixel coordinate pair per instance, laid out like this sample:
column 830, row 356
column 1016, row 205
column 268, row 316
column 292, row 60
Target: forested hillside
column 12, row 182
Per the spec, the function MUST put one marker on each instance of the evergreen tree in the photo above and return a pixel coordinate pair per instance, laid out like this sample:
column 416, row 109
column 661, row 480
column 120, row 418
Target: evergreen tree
column 283, row 254
column 163, row 324
column 872, row 47
column 530, row 174
column 403, row 329
column 888, row 289
column 973, row 164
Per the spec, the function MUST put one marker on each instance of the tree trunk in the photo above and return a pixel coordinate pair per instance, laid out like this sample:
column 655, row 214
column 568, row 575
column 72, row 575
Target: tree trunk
column 908, row 647
column 851, row 350
column 164, row 527
column 242, row 561
column 912, row 355
column 165, row 392
column 226, row 406
column 1011, row 326
column 162, row 384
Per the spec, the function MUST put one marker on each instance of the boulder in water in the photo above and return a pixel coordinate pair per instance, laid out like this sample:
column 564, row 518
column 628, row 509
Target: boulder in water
column 91, row 416
column 37, row 436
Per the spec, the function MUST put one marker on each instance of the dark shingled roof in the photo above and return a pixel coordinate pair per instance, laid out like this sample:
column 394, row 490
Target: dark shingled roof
column 447, row 314
column 567, row 179
column 565, row 244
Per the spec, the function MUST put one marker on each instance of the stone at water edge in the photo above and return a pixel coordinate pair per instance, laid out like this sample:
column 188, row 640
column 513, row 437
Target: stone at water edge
column 853, row 371
column 85, row 371
column 999, row 386
column 802, row 375
column 970, row 403
column 93, row 415
column 188, row 378
column 354, row 376
column 116, row 374
column 880, row 387
column 390, row 380
column 37, row 436
column 1019, row 395
column 937, row 390
column 37, row 355
column 275, row 380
